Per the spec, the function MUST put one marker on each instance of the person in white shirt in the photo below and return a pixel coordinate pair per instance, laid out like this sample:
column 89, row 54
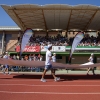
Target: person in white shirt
column 41, row 57
column 54, row 57
column 6, row 67
column 91, row 59
column 54, row 60
column 48, row 65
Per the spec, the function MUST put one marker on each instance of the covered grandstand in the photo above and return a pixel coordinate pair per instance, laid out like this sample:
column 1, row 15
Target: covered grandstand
column 51, row 20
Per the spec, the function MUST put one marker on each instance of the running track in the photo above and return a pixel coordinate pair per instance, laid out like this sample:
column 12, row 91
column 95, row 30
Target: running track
column 29, row 87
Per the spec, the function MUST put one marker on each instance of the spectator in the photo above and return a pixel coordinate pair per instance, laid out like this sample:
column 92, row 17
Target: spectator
column 91, row 59
column 6, row 67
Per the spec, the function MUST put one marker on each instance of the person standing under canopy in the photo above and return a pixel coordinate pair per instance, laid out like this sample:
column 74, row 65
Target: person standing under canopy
column 54, row 57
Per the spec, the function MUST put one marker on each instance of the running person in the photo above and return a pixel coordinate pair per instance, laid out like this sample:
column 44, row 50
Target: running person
column 91, row 59
column 48, row 65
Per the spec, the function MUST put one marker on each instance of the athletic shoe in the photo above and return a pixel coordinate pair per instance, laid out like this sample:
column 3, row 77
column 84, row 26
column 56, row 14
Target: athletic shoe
column 4, row 73
column 43, row 80
column 57, row 79
column 94, row 74
column 9, row 73
column 87, row 73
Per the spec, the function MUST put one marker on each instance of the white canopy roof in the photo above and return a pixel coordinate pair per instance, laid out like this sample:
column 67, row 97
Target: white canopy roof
column 55, row 16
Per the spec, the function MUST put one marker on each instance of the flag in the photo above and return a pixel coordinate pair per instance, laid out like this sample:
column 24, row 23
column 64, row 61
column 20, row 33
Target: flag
column 25, row 39
column 79, row 36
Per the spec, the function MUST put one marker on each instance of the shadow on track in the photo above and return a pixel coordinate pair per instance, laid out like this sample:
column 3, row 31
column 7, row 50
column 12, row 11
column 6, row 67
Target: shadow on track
column 63, row 77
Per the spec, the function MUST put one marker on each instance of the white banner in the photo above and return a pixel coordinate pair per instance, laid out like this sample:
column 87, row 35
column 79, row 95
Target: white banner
column 54, row 48
column 79, row 36
column 28, row 33
column 59, row 48
column 44, row 48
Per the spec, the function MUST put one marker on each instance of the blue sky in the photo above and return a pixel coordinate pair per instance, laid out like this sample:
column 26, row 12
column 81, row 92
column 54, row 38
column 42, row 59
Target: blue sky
column 5, row 20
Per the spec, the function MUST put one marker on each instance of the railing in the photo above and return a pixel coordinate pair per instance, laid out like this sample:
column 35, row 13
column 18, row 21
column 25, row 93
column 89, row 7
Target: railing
column 84, row 48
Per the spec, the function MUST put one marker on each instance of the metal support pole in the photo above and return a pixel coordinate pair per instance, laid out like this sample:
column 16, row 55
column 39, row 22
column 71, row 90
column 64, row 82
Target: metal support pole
column 3, row 42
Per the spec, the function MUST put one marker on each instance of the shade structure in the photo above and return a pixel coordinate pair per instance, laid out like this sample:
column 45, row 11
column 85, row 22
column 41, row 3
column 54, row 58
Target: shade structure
column 55, row 16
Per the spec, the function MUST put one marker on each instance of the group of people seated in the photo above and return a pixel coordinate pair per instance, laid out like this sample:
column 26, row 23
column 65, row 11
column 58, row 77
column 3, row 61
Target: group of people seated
column 60, row 40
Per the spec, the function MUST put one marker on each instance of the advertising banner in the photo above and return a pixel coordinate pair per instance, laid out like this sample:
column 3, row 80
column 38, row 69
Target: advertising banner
column 59, row 48
column 45, row 48
column 54, row 48
column 29, row 49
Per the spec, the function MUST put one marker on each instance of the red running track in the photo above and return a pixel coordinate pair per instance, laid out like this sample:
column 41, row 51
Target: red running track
column 29, row 87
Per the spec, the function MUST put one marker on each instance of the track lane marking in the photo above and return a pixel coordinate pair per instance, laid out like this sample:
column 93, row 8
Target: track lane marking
column 71, row 93
column 49, row 80
column 48, row 85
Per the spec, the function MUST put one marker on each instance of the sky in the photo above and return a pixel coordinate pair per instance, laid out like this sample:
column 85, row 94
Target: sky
column 5, row 20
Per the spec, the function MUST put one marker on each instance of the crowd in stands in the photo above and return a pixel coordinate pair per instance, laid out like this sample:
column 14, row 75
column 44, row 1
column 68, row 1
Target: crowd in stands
column 31, row 57
column 60, row 40
column 90, row 41
column 55, row 41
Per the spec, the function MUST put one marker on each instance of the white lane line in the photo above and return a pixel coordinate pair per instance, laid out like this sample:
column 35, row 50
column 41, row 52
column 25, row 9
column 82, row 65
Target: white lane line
column 71, row 93
column 48, row 85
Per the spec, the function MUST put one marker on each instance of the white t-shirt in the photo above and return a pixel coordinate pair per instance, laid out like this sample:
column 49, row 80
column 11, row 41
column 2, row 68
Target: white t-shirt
column 40, row 58
column 48, row 60
column 91, row 59
column 6, row 56
column 54, row 58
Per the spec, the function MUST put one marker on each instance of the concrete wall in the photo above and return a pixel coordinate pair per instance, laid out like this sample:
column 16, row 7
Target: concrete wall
column 52, row 34
column 79, row 59
column 63, row 60
column 40, row 33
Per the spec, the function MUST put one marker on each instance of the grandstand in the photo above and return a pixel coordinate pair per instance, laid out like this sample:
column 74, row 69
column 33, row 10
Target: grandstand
column 56, row 24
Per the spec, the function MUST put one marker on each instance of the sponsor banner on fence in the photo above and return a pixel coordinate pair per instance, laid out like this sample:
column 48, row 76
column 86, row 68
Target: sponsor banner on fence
column 44, row 48
column 29, row 49
column 59, row 48
column 54, row 48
